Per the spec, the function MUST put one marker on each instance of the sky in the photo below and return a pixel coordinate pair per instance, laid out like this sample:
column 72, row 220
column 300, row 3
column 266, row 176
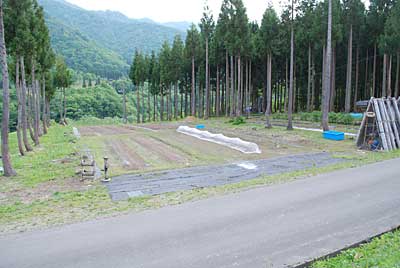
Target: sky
column 173, row 10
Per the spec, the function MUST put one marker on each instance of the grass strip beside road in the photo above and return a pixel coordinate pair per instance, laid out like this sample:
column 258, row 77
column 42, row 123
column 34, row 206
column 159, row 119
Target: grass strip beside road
column 382, row 252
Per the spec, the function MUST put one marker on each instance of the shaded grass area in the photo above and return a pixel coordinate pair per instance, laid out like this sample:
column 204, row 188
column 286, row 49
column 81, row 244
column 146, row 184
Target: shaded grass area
column 54, row 158
column 382, row 252
column 84, row 201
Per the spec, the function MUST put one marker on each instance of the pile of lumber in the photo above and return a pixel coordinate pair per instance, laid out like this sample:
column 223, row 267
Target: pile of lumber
column 380, row 127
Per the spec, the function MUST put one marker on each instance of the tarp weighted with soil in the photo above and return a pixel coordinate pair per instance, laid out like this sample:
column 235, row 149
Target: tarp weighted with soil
column 380, row 128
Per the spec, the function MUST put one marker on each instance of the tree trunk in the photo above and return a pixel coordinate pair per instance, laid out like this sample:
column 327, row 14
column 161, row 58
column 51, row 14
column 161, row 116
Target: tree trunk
column 286, row 87
column 323, row 69
column 193, row 98
column 29, row 115
column 44, row 115
column 181, row 105
column 217, row 95
column 290, row 104
column 138, row 104
column 356, row 86
column 143, row 108
column 34, row 105
column 349, row 71
column 232, row 110
column 207, row 113
column 125, row 119
column 5, row 154
column 309, row 80
column 327, row 80
column 48, row 112
column 374, row 74
column 19, row 123
column 333, row 81
column 269, row 92
column 186, row 101
column 154, row 106
column 227, row 87
column 24, row 118
column 38, row 108
column 239, row 88
column 161, row 104
column 148, row 103
column 312, row 104
column 65, row 108
column 389, row 78
column 366, row 77
column 396, row 88
column 176, row 101
column 247, row 105
column 60, row 108
column 169, row 100
column 384, row 78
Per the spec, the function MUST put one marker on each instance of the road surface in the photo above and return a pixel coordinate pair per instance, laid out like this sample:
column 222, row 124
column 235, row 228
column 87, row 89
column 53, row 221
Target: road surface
column 266, row 227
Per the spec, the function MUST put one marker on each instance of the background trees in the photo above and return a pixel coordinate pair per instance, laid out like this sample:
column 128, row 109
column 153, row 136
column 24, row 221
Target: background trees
column 237, row 64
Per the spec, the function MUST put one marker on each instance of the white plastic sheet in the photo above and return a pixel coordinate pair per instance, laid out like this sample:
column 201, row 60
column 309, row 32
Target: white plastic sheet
column 76, row 133
column 233, row 143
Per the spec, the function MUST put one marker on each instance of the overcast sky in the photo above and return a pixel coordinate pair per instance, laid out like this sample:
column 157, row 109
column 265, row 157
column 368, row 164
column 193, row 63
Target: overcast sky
column 176, row 10
column 173, row 10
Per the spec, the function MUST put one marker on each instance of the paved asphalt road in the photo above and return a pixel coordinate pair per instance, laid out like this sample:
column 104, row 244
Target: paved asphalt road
column 265, row 227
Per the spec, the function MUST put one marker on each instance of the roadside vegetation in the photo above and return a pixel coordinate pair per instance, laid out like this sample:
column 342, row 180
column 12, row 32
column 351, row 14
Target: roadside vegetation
column 382, row 252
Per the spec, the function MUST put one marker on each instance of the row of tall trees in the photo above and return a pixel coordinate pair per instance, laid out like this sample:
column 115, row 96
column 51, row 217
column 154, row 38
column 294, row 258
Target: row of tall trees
column 231, row 66
column 25, row 47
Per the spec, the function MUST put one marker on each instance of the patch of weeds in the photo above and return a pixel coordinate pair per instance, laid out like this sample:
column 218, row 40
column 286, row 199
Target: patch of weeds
column 239, row 120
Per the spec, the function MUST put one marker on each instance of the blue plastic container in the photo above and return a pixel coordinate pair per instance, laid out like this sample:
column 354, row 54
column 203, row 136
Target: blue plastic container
column 200, row 126
column 333, row 135
column 356, row 115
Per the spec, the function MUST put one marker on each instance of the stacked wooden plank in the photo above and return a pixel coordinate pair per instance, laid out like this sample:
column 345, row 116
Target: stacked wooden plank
column 380, row 127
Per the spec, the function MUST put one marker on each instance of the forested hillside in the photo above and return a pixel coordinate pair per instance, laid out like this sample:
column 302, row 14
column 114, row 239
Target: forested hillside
column 83, row 54
column 103, row 32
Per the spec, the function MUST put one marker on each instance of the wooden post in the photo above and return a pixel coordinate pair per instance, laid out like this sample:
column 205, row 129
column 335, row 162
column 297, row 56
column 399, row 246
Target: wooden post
column 392, row 118
column 380, row 125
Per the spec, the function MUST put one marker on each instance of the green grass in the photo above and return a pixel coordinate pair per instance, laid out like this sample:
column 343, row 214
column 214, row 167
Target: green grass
column 381, row 252
column 54, row 158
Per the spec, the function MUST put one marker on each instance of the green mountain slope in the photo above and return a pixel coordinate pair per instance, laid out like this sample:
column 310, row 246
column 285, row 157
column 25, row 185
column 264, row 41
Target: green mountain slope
column 83, row 54
column 109, row 29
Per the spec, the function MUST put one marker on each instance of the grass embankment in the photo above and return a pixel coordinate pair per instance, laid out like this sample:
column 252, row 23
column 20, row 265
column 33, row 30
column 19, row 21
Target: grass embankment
column 382, row 252
column 45, row 193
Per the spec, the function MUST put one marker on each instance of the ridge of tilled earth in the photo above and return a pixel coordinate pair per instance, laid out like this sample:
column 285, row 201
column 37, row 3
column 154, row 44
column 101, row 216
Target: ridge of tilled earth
column 154, row 183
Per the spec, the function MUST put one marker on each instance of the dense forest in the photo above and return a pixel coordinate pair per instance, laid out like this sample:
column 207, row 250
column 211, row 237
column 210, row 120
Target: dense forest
column 231, row 66
column 83, row 54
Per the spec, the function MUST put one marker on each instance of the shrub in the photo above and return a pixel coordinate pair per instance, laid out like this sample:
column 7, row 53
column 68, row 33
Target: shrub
column 237, row 121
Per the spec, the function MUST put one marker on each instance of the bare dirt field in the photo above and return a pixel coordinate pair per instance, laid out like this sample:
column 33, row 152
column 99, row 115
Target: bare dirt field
column 152, row 147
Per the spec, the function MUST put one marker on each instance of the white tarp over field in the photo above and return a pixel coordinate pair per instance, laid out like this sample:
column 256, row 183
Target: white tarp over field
column 234, row 143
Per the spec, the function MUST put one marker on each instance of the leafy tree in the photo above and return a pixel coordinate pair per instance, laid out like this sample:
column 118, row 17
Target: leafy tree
column 5, row 155
column 62, row 80
column 207, row 26
column 165, row 78
column 268, row 45
column 327, row 84
column 192, row 51
column 176, row 66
